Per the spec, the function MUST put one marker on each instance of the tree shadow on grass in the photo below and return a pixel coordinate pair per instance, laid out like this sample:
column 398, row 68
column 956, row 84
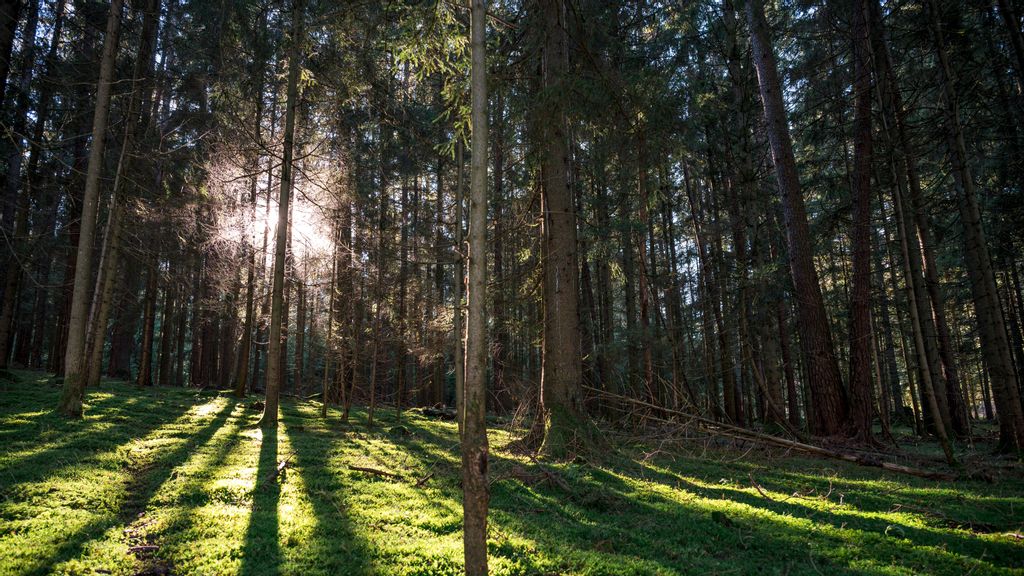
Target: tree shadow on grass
column 846, row 516
column 148, row 474
column 610, row 524
column 261, row 551
column 333, row 547
column 112, row 422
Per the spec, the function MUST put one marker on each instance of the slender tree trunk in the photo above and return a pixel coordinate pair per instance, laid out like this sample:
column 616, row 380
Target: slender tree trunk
column 831, row 406
column 73, row 393
column 166, row 330
column 994, row 344
column 275, row 354
column 145, row 377
column 474, row 427
column 460, row 279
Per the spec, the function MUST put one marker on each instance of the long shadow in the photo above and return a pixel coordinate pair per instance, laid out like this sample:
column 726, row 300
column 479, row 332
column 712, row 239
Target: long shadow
column 334, row 547
column 261, row 552
column 147, row 478
column 89, row 439
column 608, row 511
column 1001, row 553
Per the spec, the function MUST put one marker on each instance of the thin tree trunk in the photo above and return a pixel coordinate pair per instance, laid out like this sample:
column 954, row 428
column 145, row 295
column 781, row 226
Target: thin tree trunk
column 474, row 427
column 73, row 393
column 275, row 353
column 145, row 377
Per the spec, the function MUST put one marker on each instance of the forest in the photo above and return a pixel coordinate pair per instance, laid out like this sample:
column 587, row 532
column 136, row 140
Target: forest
column 590, row 287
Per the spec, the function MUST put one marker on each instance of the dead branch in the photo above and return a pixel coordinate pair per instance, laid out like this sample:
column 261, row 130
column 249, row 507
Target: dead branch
column 277, row 471
column 739, row 433
column 374, row 471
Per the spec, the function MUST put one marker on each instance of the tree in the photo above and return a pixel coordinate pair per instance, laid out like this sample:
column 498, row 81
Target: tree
column 861, row 404
column 829, row 398
column 560, row 399
column 73, row 392
column 474, row 426
column 275, row 356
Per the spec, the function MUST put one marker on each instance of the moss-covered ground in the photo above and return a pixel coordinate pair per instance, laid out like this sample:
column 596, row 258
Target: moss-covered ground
column 161, row 481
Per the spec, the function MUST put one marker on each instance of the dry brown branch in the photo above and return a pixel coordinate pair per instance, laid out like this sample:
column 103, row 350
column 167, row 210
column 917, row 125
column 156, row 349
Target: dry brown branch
column 374, row 471
column 739, row 433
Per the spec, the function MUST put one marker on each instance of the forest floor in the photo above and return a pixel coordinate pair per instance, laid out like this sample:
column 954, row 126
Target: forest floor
column 171, row 481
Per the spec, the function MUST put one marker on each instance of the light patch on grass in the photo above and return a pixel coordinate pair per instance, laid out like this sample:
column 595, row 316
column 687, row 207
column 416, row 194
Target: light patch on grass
column 189, row 474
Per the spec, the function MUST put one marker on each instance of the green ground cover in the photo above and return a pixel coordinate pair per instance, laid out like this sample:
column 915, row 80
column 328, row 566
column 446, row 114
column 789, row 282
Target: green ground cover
column 171, row 481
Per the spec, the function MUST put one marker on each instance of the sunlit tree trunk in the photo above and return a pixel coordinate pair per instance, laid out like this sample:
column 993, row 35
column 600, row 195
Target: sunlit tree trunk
column 474, row 427
column 275, row 354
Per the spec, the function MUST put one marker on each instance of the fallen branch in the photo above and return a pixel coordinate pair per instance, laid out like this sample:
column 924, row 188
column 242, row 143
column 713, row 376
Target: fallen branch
column 744, row 434
column 419, row 483
column 277, row 472
column 374, row 471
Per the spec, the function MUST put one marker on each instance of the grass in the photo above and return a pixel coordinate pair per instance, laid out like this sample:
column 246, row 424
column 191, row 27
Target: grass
column 186, row 475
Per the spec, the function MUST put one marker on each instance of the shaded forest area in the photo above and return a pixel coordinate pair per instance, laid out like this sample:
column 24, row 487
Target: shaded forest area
column 793, row 225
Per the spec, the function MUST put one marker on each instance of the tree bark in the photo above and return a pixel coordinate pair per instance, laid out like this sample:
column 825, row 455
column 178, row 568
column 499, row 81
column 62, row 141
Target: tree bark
column 829, row 399
column 561, row 363
column 73, row 393
column 861, row 403
column 474, row 427
column 275, row 354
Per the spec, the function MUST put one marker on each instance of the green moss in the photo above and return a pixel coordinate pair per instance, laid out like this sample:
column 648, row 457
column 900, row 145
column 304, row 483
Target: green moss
column 188, row 473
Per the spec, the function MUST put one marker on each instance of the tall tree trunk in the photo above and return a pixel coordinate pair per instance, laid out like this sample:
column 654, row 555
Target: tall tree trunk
column 829, row 399
column 73, row 393
column 561, row 363
column 861, row 403
column 275, row 354
column 995, row 346
column 474, row 427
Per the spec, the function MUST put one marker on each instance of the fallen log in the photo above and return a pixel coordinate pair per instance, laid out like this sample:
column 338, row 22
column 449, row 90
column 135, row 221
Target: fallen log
column 744, row 434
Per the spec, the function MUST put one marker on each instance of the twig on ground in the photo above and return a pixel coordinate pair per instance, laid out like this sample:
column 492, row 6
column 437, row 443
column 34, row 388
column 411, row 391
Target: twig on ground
column 374, row 471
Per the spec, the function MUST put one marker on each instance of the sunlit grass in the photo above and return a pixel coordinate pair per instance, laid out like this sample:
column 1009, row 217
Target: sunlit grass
column 189, row 475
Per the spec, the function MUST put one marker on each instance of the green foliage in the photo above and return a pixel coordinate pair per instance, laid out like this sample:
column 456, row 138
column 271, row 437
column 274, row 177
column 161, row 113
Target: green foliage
column 188, row 473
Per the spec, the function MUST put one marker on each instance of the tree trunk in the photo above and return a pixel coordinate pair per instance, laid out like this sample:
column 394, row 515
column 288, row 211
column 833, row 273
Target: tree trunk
column 474, row 427
column 561, row 363
column 275, row 354
column 861, row 403
column 995, row 346
column 73, row 393
column 828, row 396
